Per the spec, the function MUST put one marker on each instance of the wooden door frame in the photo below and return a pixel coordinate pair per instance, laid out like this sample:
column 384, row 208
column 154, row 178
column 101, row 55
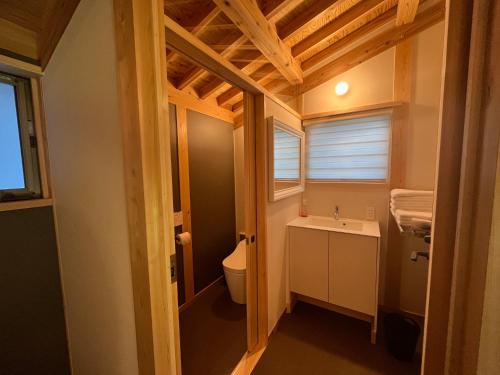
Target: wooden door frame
column 468, row 146
column 141, row 60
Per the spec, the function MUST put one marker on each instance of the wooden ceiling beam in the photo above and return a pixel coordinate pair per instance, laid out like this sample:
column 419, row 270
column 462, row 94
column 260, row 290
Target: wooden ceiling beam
column 273, row 11
column 197, row 72
column 312, row 12
column 373, row 47
column 363, row 31
column 202, row 19
column 252, row 22
column 338, row 23
column 181, row 41
column 258, row 75
column 407, row 10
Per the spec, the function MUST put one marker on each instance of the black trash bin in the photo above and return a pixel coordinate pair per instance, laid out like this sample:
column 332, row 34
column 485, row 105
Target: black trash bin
column 402, row 335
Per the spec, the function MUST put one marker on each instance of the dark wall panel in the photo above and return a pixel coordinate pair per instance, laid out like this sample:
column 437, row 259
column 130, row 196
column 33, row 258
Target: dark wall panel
column 211, row 177
column 32, row 326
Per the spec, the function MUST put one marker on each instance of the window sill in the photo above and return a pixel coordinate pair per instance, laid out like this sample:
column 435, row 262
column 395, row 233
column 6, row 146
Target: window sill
column 352, row 182
column 21, row 205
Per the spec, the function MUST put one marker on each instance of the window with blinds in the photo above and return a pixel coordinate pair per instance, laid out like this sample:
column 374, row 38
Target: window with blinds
column 286, row 156
column 351, row 149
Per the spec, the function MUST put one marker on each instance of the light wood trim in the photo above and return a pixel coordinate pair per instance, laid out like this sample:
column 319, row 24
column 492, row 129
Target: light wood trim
column 373, row 47
column 180, row 98
column 261, row 181
column 21, row 68
column 450, row 140
column 353, row 110
column 251, row 221
column 185, row 192
column 187, row 304
column 399, row 133
column 407, row 10
column 141, row 62
column 248, row 362
column 477, row 194
column 183, row 42
column 250, row 20
column 41, row 136
column 21, row 205
column 338, row 23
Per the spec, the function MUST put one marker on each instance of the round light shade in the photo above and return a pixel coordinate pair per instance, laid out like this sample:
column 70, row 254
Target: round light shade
column 341, row 88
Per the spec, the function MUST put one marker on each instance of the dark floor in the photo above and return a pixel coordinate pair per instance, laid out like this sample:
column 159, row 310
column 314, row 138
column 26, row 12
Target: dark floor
column 313, row 341
column 213, row 333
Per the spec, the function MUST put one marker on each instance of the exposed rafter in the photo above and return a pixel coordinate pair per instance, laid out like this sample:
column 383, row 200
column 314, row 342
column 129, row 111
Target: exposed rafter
column 325, row 32
column 250, row 20
column 273, row 10
column 373, row 47
column 308, row 15
column 358, row 34
column 407, row 10
column 258, row 75
column 183, row 42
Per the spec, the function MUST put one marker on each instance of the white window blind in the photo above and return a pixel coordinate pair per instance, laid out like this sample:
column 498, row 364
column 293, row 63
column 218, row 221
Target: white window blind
column 286, row 156
column 354, row 149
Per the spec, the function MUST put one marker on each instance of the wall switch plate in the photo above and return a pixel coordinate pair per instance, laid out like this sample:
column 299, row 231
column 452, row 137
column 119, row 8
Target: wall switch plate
column 370, row 213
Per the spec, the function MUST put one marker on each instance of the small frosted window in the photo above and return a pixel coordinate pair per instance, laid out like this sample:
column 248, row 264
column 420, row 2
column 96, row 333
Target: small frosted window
column 355, row 149
column 11, row 158
column 286, row 156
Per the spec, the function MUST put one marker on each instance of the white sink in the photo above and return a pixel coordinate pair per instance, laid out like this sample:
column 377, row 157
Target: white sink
column 361, row 227
column 346, row 224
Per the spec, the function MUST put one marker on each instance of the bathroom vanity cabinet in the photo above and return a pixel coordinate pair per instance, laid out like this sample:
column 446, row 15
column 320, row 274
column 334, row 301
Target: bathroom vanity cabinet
column 334, row 264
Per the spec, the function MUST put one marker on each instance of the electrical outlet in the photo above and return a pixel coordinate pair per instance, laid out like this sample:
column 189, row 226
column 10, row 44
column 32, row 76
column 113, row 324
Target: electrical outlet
column 370, row 213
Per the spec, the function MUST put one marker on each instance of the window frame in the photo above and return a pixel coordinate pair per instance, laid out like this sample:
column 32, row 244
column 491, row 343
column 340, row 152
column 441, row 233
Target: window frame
column 351, row 116
column 29, row 141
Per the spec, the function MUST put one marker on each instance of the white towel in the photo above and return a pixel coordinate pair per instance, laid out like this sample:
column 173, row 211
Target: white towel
column 423, row 199
column 412, row 206
column 405, row 215
column 411, row 193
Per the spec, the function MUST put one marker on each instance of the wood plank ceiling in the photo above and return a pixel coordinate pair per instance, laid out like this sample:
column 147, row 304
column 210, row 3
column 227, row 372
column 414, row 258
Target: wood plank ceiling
column 31, row 29
column 290, row 46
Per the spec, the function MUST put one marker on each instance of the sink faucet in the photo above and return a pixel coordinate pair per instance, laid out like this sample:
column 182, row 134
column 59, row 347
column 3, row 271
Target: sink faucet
column 336, row 214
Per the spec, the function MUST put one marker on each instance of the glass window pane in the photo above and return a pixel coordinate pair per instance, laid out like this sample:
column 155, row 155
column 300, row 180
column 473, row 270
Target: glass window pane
column 356, row 149
column 11, row 160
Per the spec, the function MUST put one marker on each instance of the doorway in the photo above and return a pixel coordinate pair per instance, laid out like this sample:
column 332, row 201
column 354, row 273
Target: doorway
column 214, row 218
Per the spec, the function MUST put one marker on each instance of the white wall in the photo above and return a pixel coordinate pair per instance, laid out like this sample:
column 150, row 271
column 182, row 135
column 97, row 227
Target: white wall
column 86, row 162
column 278, row 215
column 372, row 83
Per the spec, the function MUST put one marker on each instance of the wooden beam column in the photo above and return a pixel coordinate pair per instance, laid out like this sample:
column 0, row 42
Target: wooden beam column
column 250, row 20
column 187, row 250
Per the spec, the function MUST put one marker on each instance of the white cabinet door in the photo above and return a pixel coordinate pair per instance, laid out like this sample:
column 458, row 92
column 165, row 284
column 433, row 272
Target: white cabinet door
column 353, row 271
column 309, row 262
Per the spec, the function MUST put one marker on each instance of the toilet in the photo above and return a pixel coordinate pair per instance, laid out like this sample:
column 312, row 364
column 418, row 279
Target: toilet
column 235, row 266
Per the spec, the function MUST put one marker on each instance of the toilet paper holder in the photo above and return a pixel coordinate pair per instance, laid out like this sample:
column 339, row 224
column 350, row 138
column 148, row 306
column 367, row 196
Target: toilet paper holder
column 183, row 238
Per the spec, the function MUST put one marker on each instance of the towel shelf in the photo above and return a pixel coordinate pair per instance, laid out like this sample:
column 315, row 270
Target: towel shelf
column 409, row 230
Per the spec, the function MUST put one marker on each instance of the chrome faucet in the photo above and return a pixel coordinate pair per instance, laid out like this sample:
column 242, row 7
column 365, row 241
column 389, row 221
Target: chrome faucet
column 336, row 214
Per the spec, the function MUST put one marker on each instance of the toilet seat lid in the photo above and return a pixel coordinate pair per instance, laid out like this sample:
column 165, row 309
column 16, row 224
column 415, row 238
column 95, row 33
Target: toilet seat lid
column 237, row 260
